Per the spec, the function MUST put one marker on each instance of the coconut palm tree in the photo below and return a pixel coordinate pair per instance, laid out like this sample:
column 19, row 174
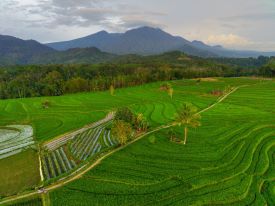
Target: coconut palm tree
column 187, row 117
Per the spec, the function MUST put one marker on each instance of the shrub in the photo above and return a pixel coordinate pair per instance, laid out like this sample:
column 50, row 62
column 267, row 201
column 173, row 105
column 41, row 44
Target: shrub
column 125, row 114
column 46, row 104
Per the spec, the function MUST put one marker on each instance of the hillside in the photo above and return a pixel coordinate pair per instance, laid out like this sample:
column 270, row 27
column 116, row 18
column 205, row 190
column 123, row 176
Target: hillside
column 89, row 55
column 17, row 51
column 149, row 41
column 144, row 41
column 105, row 47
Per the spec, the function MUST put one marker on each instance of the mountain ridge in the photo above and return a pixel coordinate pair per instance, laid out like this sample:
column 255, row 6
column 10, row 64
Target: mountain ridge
column 149, row 41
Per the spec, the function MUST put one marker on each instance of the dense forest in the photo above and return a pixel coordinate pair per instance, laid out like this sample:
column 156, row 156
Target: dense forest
column 55, row 80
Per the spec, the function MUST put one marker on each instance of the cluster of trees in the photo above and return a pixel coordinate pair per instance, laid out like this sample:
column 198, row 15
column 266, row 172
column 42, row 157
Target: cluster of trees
column 268, row 70
column 55, row 80
column 244, row 63
column 126, row 124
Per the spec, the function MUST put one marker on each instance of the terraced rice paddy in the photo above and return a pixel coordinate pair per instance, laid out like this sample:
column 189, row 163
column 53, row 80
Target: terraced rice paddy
column 30, row 202
column 19, row 172
column 18, row 159
column 227, row 161
column 85, row 144
column 71, row 112
column 14, row 139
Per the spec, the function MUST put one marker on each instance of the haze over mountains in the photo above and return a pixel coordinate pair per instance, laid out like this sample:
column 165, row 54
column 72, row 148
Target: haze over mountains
column 104, row 46
column 148, row 41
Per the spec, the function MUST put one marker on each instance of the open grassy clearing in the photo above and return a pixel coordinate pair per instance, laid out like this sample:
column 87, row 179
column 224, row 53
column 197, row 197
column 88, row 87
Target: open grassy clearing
column 227, row 161
column 19, row 172
column 71, row 112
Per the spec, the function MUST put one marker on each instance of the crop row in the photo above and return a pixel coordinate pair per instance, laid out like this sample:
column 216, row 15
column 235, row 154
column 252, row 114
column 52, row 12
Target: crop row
column 108, row 140
column 64, row 139
column 56, row 163
column 87, row 144
column 14, row 138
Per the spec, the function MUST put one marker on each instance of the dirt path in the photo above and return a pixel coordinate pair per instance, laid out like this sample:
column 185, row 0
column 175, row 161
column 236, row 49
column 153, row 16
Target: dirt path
column 63, row 139
column 83, row 170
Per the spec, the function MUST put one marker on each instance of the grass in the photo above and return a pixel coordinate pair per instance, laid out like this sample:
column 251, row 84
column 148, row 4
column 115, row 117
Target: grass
column 34, row 201
column 71, row 112
column 228, row 161
column 19, row 172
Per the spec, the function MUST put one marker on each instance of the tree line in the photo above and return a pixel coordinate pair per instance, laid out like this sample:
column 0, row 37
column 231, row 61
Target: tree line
column 56, row 80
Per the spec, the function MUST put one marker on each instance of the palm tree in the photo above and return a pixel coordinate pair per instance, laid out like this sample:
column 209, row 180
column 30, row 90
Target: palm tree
column 188, row 116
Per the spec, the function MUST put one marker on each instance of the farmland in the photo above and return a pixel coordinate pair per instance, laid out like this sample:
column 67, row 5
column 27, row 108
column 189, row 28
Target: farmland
column 64, row 155
column 229, row 160
column 18, row 159
column 71, row 112
column 19, row 172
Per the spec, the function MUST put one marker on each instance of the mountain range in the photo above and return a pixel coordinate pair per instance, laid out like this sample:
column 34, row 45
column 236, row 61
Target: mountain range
column 149, row 41
column 104, row 46
column 14, row 51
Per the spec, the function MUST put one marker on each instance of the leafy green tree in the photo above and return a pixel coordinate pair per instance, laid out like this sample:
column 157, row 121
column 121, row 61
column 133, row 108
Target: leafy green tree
column 122, row 131
column 53, row 84
column 188, row 116
column 125, row 114
column 76, row 84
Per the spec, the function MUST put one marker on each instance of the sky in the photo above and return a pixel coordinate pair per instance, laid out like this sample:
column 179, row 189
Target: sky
column 235, row 24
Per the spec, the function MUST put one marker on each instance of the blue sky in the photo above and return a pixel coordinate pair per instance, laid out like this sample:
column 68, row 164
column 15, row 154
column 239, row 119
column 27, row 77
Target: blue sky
column 237, row 24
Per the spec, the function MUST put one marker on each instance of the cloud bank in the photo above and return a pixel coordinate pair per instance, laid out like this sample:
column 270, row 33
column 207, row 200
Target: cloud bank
column 240, row 25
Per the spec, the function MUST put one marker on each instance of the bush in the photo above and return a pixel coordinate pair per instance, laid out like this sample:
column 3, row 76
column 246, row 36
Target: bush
column 46, row 104
column 125, row 114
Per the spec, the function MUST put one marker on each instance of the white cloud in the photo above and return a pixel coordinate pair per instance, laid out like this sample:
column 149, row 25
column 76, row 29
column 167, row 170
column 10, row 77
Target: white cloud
column 246, row 25
column 229, row 40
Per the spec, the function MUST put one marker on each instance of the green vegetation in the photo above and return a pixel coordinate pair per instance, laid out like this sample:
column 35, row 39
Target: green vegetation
column 187, row 116
column 229, row 160
column 60, row 159
column 56, row 80
column 244, row 64
column 37, row 201
column 71, row 112
column 19, row 172
column 122, row 131
column 268, row 70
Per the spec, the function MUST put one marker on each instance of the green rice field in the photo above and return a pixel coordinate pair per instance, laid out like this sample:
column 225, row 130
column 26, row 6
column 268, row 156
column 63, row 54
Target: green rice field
column 229, row 160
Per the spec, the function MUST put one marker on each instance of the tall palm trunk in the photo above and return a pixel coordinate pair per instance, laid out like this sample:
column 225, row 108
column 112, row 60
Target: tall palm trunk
column 185, row 134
